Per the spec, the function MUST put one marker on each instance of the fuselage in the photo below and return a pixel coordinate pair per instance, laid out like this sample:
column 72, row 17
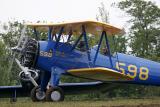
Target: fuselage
column 65, row 57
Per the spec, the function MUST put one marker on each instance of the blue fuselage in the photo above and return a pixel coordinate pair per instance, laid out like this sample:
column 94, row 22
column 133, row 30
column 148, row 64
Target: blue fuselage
column 64, row 57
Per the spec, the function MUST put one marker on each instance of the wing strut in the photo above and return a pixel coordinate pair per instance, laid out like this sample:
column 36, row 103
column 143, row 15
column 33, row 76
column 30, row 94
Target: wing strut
column 69, row 36
column 108, row 47
column 36, row 33
column 84, row 35
column 50, row 33
column 99, row 45
column 59, row 36
column 86, row 42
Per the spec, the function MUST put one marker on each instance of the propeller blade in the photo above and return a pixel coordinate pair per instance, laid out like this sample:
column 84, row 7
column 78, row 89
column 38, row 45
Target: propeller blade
column 16, row 49
column 22, row 36
column 11, row 62
column 25, row 70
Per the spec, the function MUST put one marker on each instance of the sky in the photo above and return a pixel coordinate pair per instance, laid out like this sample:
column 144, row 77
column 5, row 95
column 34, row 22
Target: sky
column 60, row 10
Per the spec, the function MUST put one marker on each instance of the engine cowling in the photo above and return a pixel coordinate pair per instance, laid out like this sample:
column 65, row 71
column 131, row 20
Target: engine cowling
column 28, row 58
column 30, row 53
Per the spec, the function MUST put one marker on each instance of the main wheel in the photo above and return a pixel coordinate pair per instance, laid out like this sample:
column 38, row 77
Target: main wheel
column 54, row 94
column 37, row 94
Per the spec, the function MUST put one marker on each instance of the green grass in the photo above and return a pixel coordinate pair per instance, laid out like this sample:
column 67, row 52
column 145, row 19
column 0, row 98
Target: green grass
column 108, row 103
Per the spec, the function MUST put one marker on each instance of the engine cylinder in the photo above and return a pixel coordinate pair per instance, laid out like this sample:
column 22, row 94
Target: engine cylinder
column 30, row 53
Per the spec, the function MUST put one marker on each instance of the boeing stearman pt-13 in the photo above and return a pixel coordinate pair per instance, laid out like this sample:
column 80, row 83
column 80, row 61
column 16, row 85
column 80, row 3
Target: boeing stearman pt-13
column 68, row 51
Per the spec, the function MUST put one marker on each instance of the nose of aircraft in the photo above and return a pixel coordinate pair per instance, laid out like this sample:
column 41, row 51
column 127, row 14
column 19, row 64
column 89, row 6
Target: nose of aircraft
column 29, row 53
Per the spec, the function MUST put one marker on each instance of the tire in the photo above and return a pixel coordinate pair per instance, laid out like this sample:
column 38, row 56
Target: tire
column 54, row 94
column 34, row 95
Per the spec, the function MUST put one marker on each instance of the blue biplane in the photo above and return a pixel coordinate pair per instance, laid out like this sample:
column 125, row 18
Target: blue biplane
column 61, row 55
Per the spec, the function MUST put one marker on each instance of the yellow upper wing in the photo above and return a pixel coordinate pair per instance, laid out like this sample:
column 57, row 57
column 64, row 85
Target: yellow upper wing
column 93, row 27
column 99, row 73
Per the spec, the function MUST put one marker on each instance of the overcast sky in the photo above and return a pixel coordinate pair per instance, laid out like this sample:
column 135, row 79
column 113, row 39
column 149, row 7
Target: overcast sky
column 59, row 10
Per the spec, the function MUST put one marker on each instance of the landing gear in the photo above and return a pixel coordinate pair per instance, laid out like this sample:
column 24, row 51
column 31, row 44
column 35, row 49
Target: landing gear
column 55, row 94
column 37, row 94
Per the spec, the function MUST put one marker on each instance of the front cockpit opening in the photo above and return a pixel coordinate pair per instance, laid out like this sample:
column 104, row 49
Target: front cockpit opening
column 81, row 46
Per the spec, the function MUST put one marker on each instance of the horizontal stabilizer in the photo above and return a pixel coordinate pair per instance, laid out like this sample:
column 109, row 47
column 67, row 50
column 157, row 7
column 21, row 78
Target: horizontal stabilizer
column 100, row 73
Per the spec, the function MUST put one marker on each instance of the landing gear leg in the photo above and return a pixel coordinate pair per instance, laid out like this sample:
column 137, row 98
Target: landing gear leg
column 38, row 92
column 55, row 93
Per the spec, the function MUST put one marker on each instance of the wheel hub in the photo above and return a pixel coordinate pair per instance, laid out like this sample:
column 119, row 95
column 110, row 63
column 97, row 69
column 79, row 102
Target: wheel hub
column 55, row 96
column 40, row 95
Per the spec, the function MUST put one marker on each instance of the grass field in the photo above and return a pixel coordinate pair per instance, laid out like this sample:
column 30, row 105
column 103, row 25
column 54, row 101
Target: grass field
column 108, row 103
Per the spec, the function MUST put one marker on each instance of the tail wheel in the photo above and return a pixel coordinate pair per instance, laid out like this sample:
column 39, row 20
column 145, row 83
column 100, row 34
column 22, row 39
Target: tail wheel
column 37, row 94
column 54, row 94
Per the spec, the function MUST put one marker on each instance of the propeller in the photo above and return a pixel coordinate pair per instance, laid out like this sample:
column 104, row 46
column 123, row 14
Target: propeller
column 20, row 50
column 27, row 73
column 15, row 49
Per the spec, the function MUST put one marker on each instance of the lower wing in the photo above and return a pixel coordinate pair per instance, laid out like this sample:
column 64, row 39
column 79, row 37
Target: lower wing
column 100, row 73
